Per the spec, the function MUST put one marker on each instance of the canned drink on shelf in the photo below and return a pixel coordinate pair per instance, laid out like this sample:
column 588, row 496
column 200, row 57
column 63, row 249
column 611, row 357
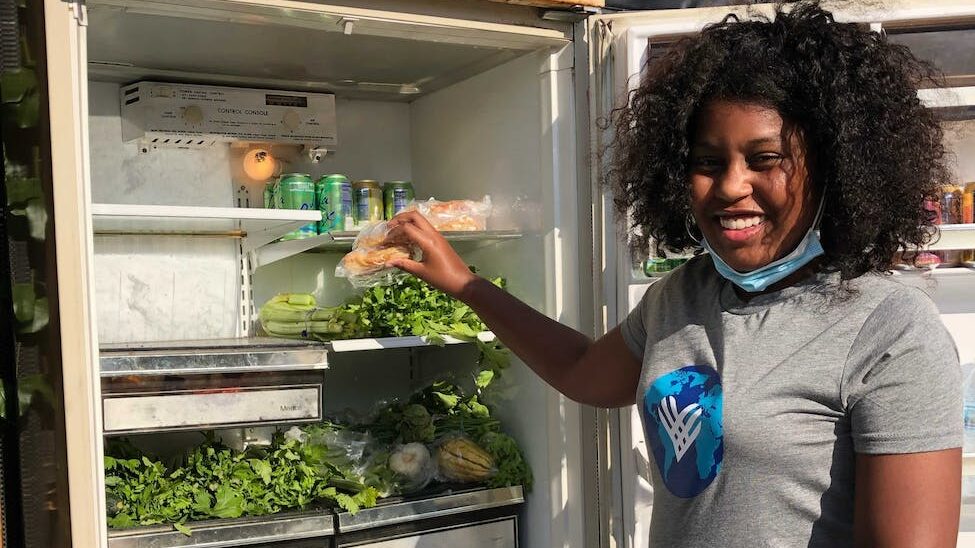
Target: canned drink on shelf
column 968, row 217
column 269, row 190
column 396, row 196
column 334, row 196
column 657, row 266
column 951, row 204
column 951, row 213
column 297, row 191
column 367, row 199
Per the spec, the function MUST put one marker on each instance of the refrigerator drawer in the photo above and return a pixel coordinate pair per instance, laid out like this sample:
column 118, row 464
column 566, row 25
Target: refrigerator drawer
column 476, row 518
column 210, row 408
column 496, row 534
column 296, row 530
column 195, row 385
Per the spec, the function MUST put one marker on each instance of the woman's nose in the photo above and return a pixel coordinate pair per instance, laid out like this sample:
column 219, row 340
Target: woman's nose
column 734, row 183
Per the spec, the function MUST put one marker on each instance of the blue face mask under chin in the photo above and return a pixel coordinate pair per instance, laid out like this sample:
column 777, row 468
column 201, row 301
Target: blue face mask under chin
column 761, row 278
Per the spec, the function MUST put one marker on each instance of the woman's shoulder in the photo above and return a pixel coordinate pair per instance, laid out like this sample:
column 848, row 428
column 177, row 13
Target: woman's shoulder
column 896, row 313
column 686, row 280
column 885, row 293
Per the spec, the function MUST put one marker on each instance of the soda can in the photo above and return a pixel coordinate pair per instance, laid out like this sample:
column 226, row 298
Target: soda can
column 269, row 190
column 367, row 199
column 951, row 204
column 297, row 191
column 658, row 266
column 334, row 195
column 968, row 217
column 951, row 213
column 396, row 196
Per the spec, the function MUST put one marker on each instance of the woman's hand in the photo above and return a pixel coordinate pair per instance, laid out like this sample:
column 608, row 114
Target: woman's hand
column 603, row 373
column 440, row 267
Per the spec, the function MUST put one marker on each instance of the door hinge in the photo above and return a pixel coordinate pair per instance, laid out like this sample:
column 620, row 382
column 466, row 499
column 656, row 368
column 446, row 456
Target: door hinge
column 80, row 11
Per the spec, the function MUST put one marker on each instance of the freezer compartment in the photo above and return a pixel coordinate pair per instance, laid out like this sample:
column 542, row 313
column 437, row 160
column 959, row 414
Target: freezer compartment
column 275, row 530
column 189, row 385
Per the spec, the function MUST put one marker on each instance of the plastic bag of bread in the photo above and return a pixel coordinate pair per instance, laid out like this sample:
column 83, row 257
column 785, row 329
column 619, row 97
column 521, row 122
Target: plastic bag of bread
column 365, row 266
column 455, row 215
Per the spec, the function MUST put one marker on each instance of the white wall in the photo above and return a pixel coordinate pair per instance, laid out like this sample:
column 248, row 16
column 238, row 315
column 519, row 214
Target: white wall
column 160, row 287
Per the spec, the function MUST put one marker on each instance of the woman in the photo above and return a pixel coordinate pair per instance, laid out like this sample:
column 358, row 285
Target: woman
column 791, row 393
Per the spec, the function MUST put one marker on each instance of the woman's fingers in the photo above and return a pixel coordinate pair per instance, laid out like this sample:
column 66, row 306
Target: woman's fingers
column 412, row 217
column 410, row 266
column 410, row 233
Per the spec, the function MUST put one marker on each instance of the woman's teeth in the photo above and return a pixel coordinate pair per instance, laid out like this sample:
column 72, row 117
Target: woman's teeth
column 739, row 223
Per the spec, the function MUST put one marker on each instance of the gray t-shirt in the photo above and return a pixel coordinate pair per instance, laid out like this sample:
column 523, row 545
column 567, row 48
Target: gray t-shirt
column 753, row 411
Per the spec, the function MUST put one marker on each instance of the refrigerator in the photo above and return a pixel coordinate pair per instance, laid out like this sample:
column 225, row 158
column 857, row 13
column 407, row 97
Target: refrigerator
column 936, row 31
column 165, row 252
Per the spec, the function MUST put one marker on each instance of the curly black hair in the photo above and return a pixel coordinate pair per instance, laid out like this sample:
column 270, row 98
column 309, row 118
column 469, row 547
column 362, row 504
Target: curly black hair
column 875, row 150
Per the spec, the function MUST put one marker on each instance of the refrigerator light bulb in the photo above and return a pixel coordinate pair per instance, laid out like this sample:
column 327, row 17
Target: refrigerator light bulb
column 259, row 165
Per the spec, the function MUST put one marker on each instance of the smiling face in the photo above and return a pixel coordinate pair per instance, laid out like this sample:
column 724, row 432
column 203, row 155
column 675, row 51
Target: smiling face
column 751, row 195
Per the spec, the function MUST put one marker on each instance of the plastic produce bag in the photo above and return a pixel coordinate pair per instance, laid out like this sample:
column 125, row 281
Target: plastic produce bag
column 455, row 215
column 461, row 460
column 365, row 266
column 413, row 465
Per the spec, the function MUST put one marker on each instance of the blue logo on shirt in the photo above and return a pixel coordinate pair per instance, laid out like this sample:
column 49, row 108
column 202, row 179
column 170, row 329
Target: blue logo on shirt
column 683, row 412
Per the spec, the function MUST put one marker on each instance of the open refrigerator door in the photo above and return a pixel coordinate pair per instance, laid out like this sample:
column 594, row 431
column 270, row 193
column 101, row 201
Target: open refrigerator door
column 938, row 31
column 217, row 434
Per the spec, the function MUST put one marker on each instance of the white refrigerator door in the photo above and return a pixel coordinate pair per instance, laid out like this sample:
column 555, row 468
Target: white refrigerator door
column 621, row 45
column 66, row 55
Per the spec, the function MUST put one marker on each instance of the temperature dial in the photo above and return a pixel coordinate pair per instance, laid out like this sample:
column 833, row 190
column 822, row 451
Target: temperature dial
column 291, row 120
column 192, row 114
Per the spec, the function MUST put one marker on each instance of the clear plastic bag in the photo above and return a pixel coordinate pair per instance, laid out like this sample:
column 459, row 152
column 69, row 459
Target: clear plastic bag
column 461, row 460
column 413, row 466
column 365, row 266
column 455, row 215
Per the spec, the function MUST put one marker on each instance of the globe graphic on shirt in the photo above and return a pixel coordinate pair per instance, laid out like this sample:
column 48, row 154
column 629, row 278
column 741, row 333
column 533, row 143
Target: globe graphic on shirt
column 682, row 420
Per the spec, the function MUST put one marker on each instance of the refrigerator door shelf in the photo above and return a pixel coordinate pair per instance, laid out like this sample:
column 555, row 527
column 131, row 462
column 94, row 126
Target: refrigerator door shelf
column 955, row 237
column 257, row 227
column 948, row 97
column 318, row 523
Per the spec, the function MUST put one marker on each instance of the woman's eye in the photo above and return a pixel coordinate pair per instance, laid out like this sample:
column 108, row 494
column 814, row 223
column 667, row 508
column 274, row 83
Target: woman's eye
column 705, row 162
column 764, row 161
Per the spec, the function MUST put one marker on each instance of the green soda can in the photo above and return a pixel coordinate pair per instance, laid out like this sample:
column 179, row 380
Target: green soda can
column 297, row 191
column 334, row 195
column 656, row 266
column 396, row 196
column 367, row 198
column 269, row 189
